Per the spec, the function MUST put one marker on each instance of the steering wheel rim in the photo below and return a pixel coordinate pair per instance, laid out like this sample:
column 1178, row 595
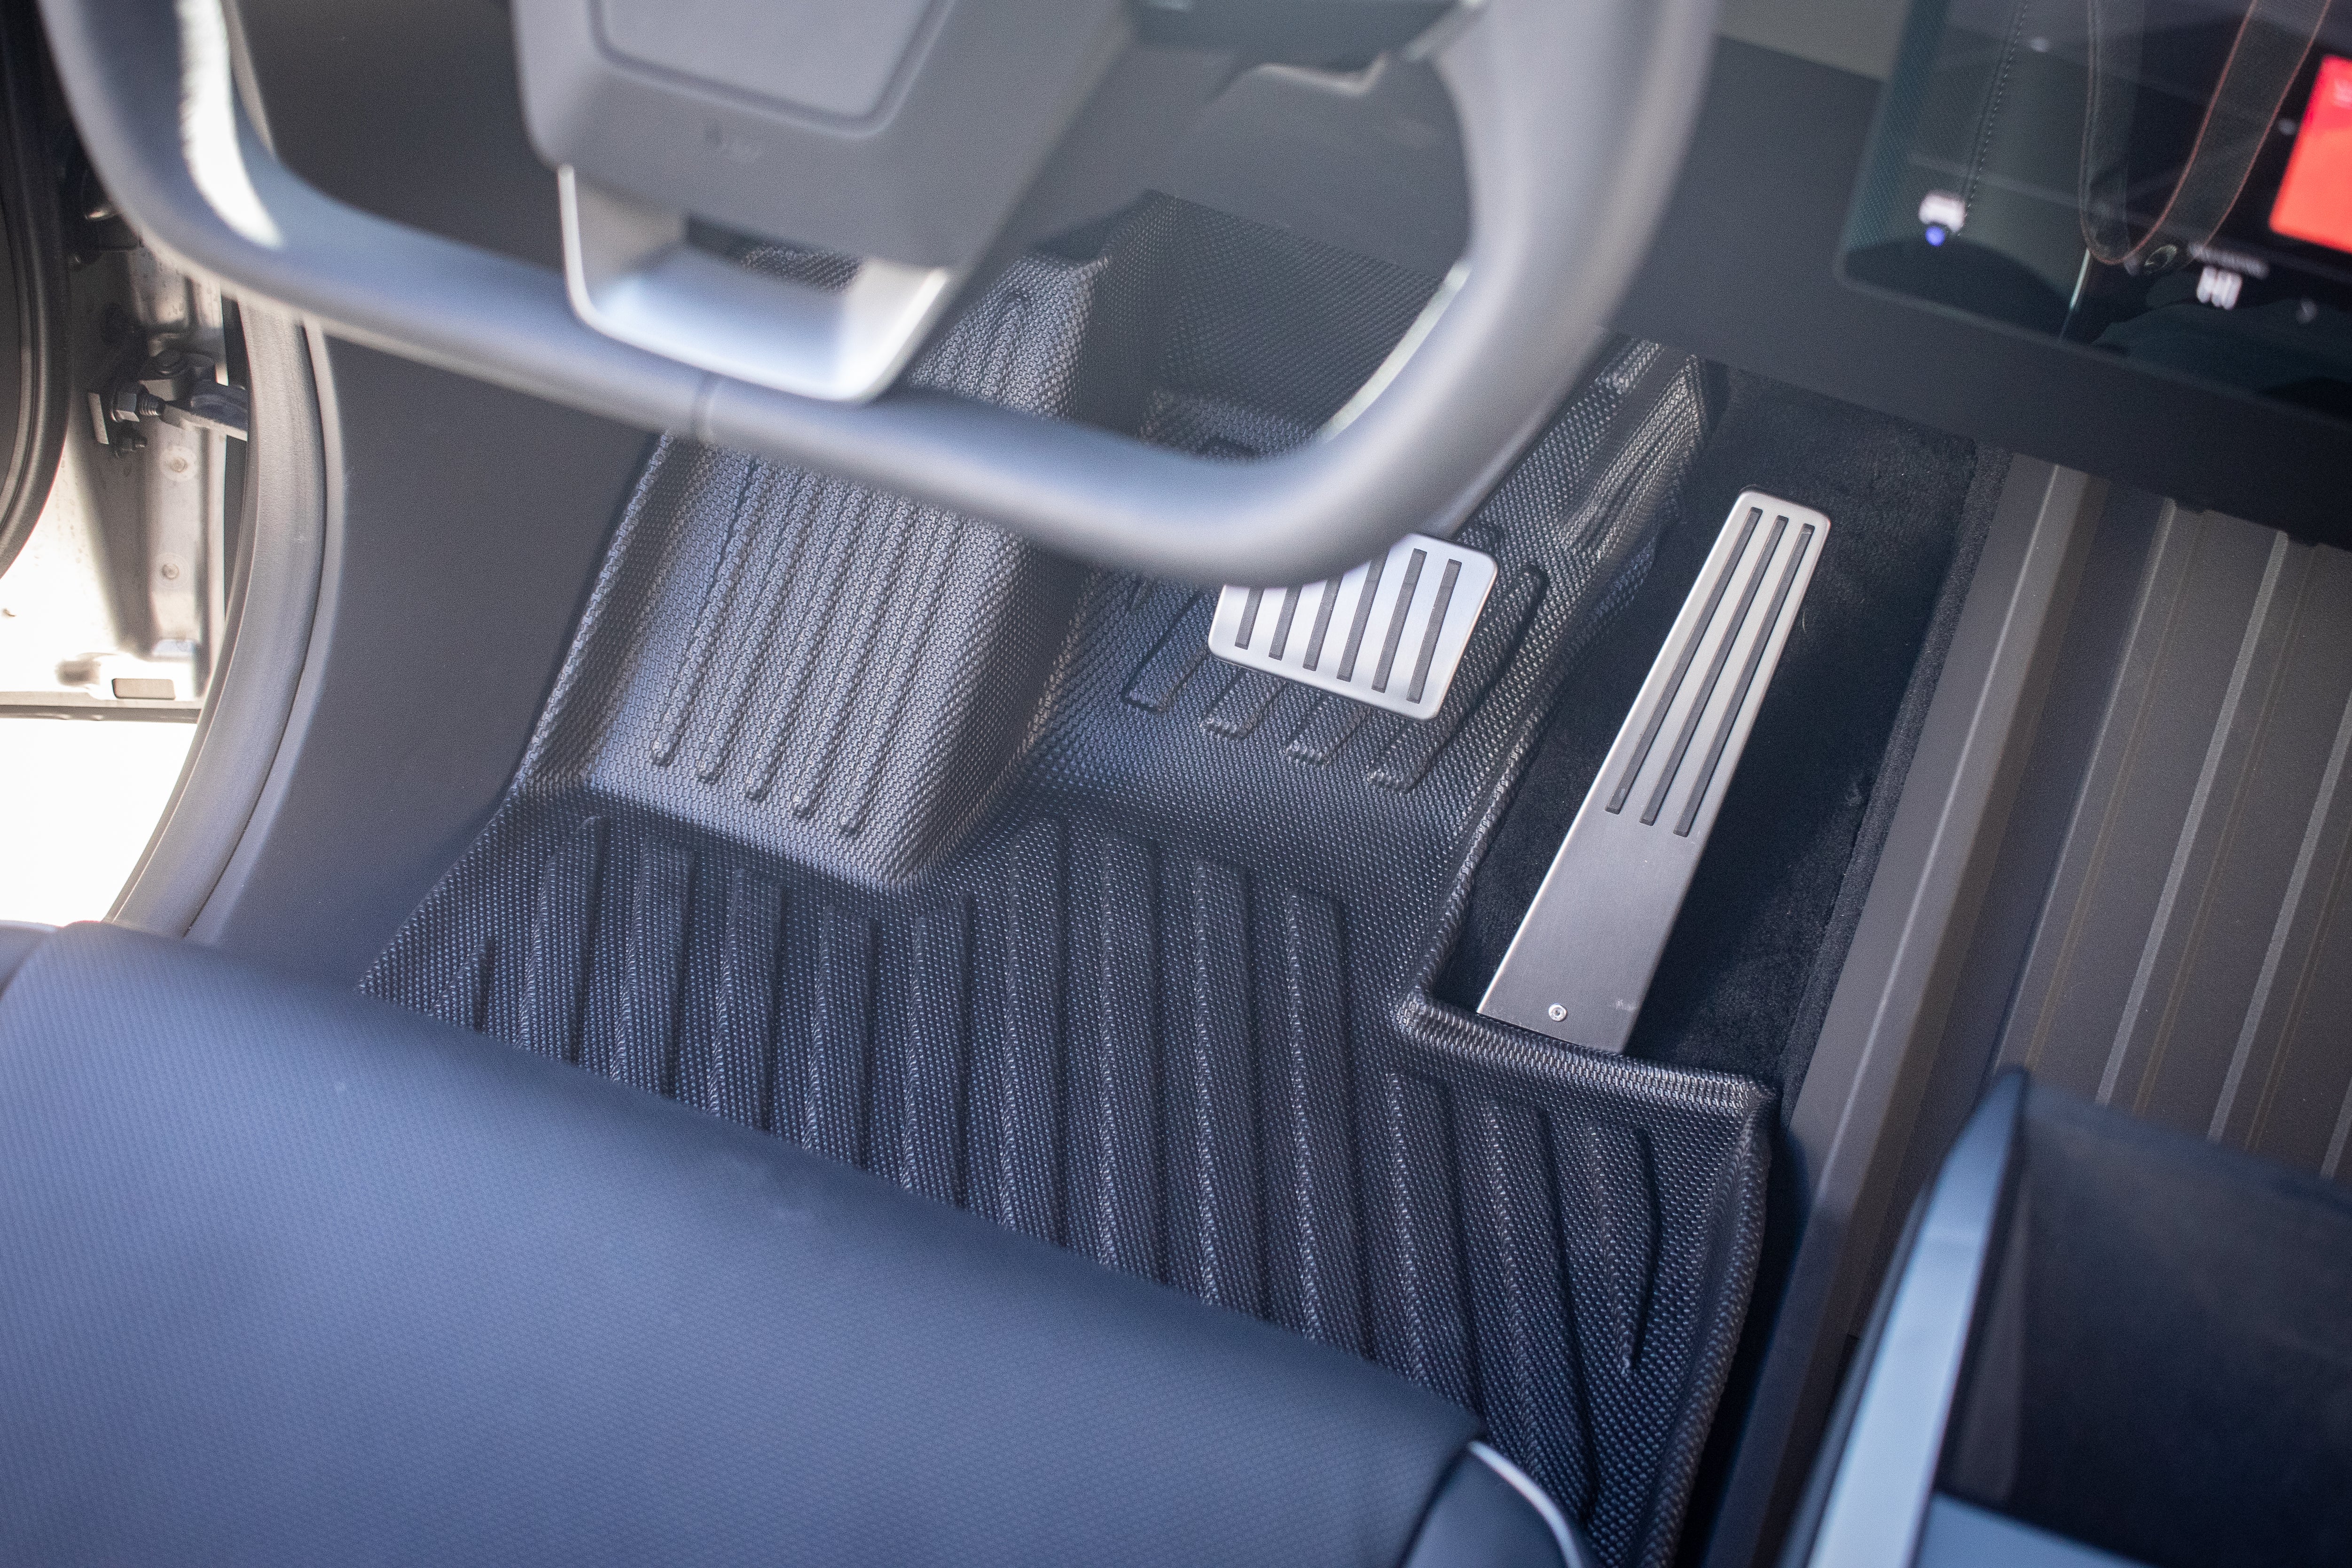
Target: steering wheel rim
column 1574, row 117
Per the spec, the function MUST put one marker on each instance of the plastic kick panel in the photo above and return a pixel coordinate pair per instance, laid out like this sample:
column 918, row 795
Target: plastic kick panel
column 877, row 830
column 1579, row 967
column 1390, row 633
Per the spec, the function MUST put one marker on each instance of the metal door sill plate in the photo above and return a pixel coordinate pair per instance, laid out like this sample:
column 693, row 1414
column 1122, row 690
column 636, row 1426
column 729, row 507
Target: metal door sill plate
column 1390, row 633
column 1582, row 960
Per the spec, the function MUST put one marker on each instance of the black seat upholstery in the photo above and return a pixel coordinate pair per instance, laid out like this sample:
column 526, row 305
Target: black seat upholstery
column 293, row 1276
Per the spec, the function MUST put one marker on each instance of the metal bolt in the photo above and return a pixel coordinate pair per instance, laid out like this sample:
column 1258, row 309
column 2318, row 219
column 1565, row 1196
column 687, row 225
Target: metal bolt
column 1557, row 1012
column 170, row 571
column 177, row 462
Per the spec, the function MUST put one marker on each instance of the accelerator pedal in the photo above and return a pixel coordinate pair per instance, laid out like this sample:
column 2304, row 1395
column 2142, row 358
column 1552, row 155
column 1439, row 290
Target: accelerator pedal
column 1582, row 960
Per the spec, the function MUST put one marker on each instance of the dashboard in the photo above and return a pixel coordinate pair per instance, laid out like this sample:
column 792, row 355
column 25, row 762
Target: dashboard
column 2172, row 185
column 2061, row 315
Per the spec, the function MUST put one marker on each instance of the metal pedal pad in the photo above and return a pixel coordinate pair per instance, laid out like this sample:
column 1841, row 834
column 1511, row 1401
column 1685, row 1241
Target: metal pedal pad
column 1582, row 962
column 1390, row 633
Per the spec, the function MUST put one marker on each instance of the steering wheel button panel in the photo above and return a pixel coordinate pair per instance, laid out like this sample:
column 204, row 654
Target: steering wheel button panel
column 829, row 56
column 1390, row 633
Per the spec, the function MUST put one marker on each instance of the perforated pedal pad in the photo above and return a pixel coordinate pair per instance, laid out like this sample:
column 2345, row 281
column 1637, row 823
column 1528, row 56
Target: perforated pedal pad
column 1390, row 633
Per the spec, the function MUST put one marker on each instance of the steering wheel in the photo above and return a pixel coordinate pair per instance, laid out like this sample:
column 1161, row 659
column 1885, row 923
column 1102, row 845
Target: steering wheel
column 907, row 135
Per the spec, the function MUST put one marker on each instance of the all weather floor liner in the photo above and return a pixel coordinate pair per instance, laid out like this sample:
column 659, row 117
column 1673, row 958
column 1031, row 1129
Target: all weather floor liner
column 871, row 827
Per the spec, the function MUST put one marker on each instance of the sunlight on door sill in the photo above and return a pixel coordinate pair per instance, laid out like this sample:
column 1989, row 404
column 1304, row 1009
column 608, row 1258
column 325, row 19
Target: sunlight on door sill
column 78, row 800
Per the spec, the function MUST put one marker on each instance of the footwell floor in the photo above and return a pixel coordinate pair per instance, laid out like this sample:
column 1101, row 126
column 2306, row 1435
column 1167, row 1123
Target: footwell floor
column 875, row 829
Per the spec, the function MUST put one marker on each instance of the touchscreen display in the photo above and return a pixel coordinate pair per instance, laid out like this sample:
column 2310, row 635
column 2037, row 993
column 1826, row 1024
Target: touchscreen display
column 2314, row 199
column 2169, row 180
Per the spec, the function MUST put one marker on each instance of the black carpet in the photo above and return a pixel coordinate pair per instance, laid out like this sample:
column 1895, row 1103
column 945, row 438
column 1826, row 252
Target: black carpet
column 1756, row 934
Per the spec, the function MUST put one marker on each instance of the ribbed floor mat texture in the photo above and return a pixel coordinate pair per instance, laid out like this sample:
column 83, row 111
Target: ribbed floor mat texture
column 871, row 827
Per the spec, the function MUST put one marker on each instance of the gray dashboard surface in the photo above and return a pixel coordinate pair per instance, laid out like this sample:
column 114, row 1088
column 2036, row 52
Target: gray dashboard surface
column 1857, row 36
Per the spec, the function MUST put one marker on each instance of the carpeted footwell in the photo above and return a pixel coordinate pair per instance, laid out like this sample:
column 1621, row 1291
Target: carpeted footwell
column 880, row 831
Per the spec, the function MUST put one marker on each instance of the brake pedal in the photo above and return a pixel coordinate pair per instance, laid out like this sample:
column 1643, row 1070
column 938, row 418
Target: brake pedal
column 1391, row 632
column 1582, row 960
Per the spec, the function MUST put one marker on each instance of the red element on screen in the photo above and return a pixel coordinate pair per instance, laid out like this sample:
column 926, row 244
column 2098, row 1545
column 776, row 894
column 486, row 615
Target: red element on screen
column 2315, row 200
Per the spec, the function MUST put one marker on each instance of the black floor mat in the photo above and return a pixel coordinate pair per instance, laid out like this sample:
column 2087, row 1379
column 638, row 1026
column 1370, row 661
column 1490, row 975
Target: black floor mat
column 880, row 831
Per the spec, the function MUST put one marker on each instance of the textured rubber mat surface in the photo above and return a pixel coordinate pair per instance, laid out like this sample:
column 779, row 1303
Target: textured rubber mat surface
column 873, row 828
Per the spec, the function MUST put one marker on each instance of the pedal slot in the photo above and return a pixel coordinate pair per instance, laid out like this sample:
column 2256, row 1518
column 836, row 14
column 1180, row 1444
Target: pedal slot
column 1396, row 619
column 1281, row 623
column 1326, row 600
column 1430, row 631
column 1740, row 710
column 1584, row 954
column 1706, row 691
column 1722, row 576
